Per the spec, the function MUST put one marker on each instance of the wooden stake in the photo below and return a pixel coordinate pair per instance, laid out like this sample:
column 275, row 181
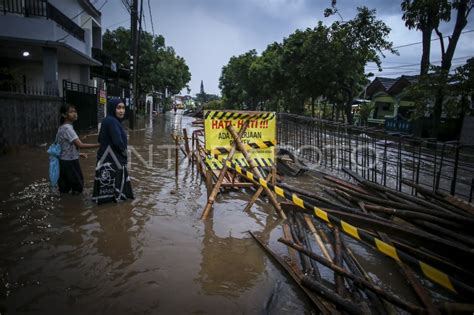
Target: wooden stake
column 215, row 190
column 256, row 195
column 420, row 291
column 176, row 142
column 320, row 243
column 255, row 170
column 186, row 144
column 323, row 306
column 208, row 182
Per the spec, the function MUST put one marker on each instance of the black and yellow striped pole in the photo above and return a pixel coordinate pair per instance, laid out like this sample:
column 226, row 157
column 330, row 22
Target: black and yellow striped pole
column 428, row 271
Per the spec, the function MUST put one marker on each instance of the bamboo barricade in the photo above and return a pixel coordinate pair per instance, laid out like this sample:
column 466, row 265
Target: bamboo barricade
column 422, row 231
column 452, row 284
column 226, row 179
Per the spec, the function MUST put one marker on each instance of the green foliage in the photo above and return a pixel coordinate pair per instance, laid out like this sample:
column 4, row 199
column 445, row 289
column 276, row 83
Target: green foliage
column 214, row 104
column 158, row 67
column 457, row 89
column 319, row 63
column 364, row 112
column 236, row 83
column 427, row 15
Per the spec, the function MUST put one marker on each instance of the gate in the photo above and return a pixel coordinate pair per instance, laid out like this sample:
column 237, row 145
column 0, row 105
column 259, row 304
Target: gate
column 85, row 99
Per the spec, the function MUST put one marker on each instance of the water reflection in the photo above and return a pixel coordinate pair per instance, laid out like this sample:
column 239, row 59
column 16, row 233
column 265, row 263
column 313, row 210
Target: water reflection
column 62, row 255
column 114, row 239
column 232, row 265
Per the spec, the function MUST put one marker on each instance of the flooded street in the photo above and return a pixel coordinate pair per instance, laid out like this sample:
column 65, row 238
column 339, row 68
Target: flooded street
column 150, row 255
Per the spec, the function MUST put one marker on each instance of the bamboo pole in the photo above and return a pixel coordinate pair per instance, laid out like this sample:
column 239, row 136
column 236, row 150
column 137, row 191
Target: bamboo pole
column 176, row 142
column 323, row 307
column 357, row 280
column 421, row 237
column 323, row 291
column 320, row 243
column 198, row 156
column 418, row 208
column 379, row 305
column 420, row 291
column 215, row 190
column 413, row 215
column 255, row 170
column 418, row 201
column 193, row 157
column 340, row 288
column 186, row 143
column 256, row 195
column 208, row 182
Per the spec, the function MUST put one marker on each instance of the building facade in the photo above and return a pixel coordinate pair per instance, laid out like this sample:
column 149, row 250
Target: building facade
column 47, row 41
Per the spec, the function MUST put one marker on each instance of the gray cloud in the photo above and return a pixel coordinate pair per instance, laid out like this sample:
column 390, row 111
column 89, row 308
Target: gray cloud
column 208, row 32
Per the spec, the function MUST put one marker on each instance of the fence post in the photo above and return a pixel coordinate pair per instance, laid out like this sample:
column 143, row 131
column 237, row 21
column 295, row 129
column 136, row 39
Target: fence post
column 455, row 169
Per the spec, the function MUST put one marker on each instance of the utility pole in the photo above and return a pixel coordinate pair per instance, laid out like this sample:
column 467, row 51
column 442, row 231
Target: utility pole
column 133, row 62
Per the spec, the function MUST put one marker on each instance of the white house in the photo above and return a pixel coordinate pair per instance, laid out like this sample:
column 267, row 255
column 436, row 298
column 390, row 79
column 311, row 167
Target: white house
column 44, row 42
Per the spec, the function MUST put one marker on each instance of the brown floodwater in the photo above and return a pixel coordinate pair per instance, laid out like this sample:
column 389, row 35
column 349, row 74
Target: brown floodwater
column 64, row 254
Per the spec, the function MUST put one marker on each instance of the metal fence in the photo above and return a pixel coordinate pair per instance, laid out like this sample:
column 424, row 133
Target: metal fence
column 28, row 89
column 388, row 159
column 85, row 98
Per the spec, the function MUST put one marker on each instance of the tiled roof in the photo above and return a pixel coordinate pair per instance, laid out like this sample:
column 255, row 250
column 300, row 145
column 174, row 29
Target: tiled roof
column 387, row 82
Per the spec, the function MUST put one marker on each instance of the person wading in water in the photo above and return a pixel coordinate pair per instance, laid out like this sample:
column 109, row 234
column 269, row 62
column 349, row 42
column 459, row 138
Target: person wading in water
column 70, row 173
column 112, row 182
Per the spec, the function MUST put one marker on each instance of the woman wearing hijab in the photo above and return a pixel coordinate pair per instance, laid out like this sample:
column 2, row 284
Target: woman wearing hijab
column 112, row 182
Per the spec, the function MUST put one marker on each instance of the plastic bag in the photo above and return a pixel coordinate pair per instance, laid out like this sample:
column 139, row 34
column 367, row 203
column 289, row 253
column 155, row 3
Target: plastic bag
column 54, row 152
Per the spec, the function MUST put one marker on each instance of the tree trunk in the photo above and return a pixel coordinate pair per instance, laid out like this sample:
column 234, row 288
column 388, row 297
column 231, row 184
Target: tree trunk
column 447, row 58
column 349, row 111
column 348, row 106
column 437, row 111
column 425, row 57
column 461, row 22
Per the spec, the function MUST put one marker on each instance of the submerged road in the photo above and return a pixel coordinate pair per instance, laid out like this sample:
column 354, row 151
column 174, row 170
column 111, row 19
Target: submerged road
column 149, row 255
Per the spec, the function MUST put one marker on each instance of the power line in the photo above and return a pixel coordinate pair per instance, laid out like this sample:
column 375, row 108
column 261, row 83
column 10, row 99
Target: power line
column 126, row 4
column 151, row 18
column 396, row 73
column 417, row 64
column 433, row 39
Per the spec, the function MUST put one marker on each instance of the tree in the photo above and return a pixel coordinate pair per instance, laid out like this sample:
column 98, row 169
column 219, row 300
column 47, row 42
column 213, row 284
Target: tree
column 159, row 67
column 235, row 83
column 425, row 16
column 444, row 12
column 463, row 86
column 321, row 63
column 354, row 44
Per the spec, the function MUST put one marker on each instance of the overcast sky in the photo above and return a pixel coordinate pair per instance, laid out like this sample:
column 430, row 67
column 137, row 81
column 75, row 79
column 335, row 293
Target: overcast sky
column 206, row 33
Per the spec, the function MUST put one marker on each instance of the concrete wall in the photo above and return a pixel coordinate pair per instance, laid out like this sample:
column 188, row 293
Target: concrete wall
column 33, row 71
column 27, row 119
column 69, row 72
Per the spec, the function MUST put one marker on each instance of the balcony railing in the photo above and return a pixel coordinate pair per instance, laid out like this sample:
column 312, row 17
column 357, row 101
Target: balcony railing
column 28, row 89
column 42, row 8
